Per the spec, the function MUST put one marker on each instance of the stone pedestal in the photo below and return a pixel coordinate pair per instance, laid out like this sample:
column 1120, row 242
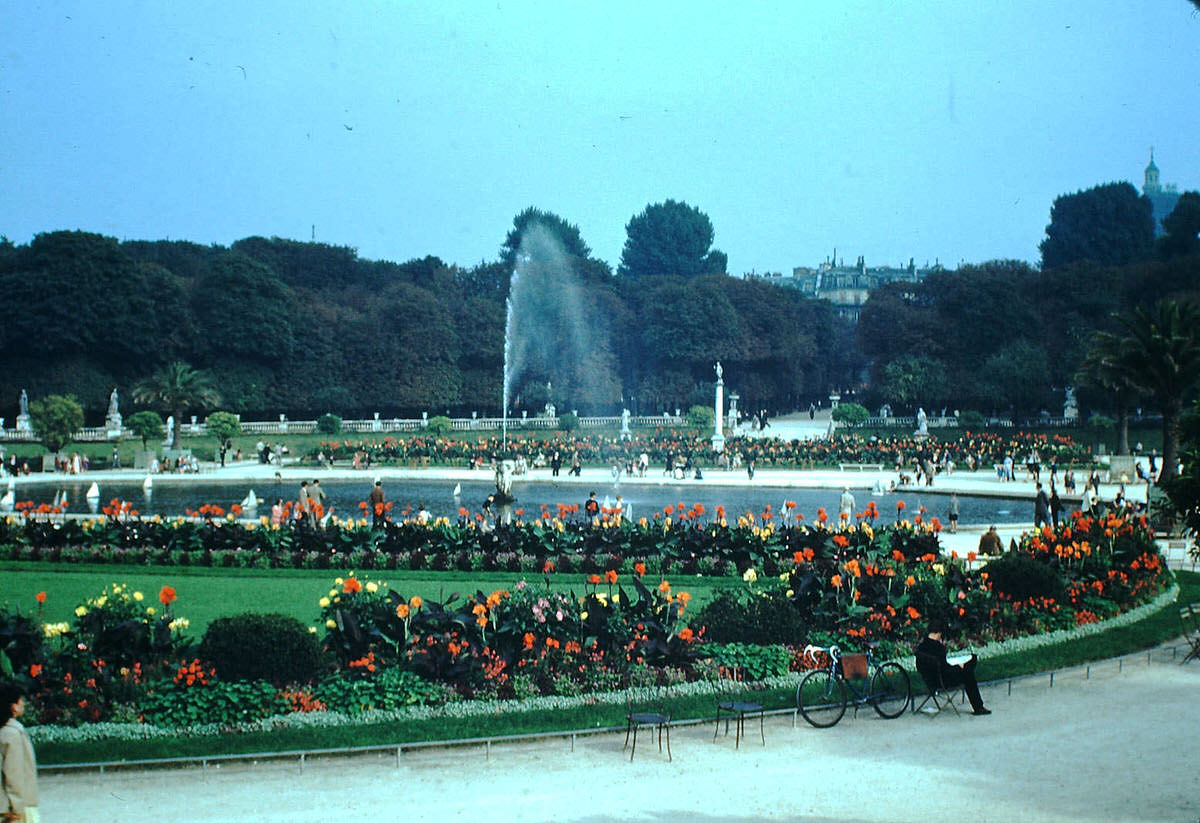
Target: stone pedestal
column 718, row 438
column 24, row 423
column 113, row 426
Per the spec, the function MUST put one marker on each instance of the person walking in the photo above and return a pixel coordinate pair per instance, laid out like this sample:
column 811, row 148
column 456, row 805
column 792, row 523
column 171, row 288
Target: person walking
column 1041, row 508
column 952, row 515
column 376, row 502
column 18, row 767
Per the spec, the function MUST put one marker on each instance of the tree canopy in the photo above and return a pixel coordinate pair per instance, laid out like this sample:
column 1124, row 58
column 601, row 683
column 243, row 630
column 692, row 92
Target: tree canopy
column 1109, row 224
column 670, row 238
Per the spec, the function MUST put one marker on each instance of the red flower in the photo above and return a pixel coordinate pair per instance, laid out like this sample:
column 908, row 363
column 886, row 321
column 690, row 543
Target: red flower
column 352, row 586
column 166, row 595
column 40, row 597
column 610, row 577
column 35, row 670
column 639, row 569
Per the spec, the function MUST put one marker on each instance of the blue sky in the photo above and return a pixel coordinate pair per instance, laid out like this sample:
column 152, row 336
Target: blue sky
column 890, row 130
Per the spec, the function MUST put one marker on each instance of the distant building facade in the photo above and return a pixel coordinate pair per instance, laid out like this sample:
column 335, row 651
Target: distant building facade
column 846, row 287
column 1162, row 197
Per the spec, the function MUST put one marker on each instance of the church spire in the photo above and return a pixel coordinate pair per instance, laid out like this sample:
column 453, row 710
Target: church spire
column 1151, row 183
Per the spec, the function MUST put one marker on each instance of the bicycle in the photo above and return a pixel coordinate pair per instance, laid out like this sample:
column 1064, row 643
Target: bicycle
column 821, row 696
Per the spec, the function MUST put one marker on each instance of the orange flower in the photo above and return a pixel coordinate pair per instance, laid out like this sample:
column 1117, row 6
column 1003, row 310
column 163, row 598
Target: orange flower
column 686, row 635
column 910, row 581
column 639, row 569
column 415, row 602
column 548, row 567
column 35, row 670
column 913, row 614
column 610, row 576
column 797, row 557
column 836, row 580
column 664, row 587
column 683, row 598
column 841, row 540
column 352, row 586
column 40, row 597
column 529, row 640
column 402, row 611
column 166, row 595
column 900, row 505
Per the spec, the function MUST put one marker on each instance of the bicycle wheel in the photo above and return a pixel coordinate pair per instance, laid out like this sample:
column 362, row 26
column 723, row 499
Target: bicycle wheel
column 821, row 698
column 890, row 690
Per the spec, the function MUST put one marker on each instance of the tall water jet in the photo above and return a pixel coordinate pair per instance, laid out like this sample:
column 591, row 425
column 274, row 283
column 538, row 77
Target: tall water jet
column 545, row 328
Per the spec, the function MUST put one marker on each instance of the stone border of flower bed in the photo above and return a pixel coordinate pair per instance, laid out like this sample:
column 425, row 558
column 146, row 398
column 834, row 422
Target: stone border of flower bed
column 478, row 708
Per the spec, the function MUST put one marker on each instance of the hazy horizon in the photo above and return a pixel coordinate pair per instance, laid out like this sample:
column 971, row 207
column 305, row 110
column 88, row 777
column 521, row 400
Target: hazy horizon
column 924, row 130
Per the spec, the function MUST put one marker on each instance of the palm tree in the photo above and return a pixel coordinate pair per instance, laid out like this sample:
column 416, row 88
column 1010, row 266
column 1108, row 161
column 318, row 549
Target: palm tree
column 177, row 387
column 1102, row 369
column 1161, row 356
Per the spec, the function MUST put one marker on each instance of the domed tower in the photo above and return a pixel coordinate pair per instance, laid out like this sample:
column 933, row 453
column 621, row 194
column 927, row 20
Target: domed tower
column 1151, row 184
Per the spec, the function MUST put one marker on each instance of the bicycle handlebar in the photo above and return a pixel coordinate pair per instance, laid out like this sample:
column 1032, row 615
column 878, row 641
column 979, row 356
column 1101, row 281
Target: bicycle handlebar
column 810, row 651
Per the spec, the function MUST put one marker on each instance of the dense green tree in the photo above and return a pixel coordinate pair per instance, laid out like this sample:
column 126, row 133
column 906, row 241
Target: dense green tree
column 1016, row 377
column 895, row 320
column 242, row 312
column 224, row 426
column 914, row 381
column 567, row 235
column 146, row 425
column 176, row 388
column 852, row 414
column 1182, row 227
column 670, row 238
column 55, row 420
column 1160, row 354
column 1109, row 224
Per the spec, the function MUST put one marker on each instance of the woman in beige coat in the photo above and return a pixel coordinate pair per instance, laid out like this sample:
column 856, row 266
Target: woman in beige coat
column 18, row 769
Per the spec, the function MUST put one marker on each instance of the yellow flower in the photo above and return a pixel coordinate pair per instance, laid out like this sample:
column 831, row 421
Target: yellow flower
column 603, row 600
column 312, row 629
column 333, row 592
column 331, row 623
column 791, row 593
column 323, row 602
column 101, row 601
column 178, row 624
column 339, row 581
column 783, row 576
column 80, row 611
column 150, row 610
column 616, row 598
column 116, row 589
column 750, row 575
column 939, row 568
column 372, row 587
column 138, row 596
column 583, row 615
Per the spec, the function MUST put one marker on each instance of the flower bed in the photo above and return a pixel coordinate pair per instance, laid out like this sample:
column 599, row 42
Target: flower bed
column 125, row 660
column 963, row 448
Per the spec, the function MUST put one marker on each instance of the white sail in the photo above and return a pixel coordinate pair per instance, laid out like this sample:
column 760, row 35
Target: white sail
column 251, row 501
column 93, row 492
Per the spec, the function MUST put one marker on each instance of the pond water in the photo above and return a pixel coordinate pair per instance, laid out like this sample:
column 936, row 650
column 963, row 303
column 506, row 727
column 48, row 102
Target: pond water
column 171, row 498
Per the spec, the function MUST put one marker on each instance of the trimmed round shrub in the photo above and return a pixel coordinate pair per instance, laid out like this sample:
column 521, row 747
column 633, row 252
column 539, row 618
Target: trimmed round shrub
column 1020, row 576
column 728, row 618
column 329, row 424
column 272, row 647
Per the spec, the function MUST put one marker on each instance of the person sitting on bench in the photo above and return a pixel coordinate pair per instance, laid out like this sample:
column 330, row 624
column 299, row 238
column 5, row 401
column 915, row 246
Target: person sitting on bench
column 934, row 650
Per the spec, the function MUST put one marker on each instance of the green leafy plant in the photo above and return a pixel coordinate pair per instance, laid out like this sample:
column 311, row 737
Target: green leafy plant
column 852, row 414
column 55, row 420
column 439, row 424
column 1020, row 576
column 329, row 424
column 271, row 647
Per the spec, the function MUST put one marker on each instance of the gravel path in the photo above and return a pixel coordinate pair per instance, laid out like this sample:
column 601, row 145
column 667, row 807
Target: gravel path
column 1116, row 747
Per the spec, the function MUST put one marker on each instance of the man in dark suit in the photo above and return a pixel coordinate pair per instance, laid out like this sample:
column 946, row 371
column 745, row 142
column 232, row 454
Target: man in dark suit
column 931, row 657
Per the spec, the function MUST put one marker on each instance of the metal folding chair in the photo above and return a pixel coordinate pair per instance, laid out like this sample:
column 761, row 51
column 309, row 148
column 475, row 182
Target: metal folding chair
column 939, row 693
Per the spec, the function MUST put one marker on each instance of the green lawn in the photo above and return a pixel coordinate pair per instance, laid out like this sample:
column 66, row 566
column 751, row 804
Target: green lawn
column 206, row 594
